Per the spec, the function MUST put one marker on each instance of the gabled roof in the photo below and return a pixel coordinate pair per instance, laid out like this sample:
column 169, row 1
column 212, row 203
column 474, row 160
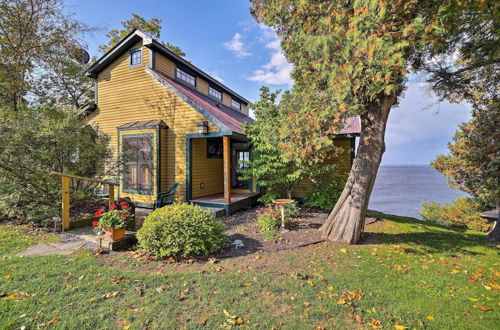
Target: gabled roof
column 222, row 116
column 134, row 37
column 352, row 125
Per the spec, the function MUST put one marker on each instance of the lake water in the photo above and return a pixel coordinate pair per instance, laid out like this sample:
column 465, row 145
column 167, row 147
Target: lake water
column 401, row 189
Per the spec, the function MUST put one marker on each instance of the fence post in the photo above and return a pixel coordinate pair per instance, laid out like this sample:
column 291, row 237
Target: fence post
column 65, row 202
column 111, row 195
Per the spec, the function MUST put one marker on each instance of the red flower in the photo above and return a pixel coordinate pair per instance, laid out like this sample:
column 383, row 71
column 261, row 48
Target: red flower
column 112, row 207
column 124, row 216
column 123, row 203
column 95, row 223
column 98, row 213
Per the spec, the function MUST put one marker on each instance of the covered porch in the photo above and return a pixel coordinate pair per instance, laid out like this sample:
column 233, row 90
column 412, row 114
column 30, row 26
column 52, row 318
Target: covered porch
column 214, row 178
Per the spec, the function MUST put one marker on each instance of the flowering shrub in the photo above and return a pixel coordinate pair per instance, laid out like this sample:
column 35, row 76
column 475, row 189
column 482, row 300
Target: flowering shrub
column 116, row 217
column 269, row 219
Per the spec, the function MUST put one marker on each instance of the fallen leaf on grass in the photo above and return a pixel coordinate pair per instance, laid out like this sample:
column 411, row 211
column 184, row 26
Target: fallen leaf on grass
column 341, row 302
column 473, row 299
column 483, row 308
column 355, row 317
column 375, row 324
column 454, row 271
column 430, row 317
column 138, row 291
column 110, row 295
column 184, row 295
column 7, row 276
column 44, row 325
column 203, row 321
column 117, row 280
column 343, row 250
column 400, row 326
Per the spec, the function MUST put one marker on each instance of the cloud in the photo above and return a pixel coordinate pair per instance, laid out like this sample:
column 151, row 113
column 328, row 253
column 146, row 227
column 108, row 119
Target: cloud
column 277, row 70
column 237, row 46
column 420, row 127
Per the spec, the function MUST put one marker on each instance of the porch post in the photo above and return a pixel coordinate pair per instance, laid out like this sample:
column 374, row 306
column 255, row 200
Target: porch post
column 227, row 168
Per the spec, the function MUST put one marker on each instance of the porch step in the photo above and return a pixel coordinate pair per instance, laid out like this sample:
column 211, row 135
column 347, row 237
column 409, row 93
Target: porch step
column 217, row 212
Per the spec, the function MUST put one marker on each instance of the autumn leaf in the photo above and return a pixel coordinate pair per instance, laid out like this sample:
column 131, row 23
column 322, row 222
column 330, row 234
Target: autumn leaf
column 375, row 324
column 138, row 291
column 203, row 321
column 341, row 302
column 7, row 276
column 454, row 271
column 483, row 308
column 430, row 317
column 330, row 288
column 343, row 250
column 473, row 299
column 400, row 327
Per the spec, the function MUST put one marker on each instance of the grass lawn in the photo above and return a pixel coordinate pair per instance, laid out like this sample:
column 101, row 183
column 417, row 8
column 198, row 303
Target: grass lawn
column 412, row 274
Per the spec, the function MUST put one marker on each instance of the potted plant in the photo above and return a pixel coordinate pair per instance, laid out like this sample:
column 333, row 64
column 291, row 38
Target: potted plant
column 114, row 221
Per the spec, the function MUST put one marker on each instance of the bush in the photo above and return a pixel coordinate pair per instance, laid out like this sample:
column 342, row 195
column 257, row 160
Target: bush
column 464, row 213
column 326, row 191
column 269, row 219
column 181, row 230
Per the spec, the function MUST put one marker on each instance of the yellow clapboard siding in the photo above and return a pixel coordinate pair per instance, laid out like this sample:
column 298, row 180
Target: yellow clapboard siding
column 127, row 94
column 208, row 171
column 202, row 85
column 343, row 161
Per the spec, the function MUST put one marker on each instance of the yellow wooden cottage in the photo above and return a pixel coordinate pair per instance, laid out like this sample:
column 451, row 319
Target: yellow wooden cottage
column 181, row 125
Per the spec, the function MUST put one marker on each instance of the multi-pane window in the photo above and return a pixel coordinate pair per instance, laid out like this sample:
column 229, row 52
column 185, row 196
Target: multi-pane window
column 138, row 163
column 214, row 93
column 184, row 76
column 135, row 57
column 236, row 104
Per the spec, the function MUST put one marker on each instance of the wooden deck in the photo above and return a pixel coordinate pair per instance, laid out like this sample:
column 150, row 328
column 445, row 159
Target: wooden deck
column 238, row 201
column 219, row 198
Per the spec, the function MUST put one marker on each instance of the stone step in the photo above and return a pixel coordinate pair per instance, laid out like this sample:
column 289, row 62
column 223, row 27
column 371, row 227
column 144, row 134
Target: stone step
column 216, row 211
column 87, row 234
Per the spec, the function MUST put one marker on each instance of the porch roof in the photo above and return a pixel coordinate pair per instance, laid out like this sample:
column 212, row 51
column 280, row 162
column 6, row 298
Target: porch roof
column 231, row 119
column 143, row 124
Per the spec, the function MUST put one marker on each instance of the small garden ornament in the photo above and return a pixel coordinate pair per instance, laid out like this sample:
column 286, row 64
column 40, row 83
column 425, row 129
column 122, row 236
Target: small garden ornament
column 282, row 203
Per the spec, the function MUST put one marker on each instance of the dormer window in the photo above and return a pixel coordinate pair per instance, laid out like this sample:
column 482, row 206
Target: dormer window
column 236, row 105
column 215, row 93
column 185, row 77
column 135, row 57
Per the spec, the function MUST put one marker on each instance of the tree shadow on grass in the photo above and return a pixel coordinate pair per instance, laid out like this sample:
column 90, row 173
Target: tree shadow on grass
column 433, row 237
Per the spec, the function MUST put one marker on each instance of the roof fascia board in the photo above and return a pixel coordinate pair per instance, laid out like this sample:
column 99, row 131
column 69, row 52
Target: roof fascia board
column 117, row 50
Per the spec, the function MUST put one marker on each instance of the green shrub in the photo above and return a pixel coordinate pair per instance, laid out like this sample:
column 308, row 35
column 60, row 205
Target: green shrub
column 269, row 219
column 464, row 213
column 181, row 230
column 326, row 190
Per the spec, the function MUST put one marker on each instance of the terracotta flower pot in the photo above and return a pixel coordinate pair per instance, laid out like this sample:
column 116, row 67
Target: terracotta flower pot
column 113, row 234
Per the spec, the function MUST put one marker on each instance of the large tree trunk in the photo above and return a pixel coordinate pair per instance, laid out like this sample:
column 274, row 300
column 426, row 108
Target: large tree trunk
column 346, row 222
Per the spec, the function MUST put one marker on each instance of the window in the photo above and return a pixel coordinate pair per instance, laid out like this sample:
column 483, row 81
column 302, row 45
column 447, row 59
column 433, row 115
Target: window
column 138, row 174
column 135, row 57
column 184, row 76
column 214, row 93
column 236, row 104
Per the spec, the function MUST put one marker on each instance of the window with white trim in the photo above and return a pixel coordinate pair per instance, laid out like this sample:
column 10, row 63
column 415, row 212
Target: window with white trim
column 184, row 76
column 135, row 57
column 214, row 93
column 236, row 105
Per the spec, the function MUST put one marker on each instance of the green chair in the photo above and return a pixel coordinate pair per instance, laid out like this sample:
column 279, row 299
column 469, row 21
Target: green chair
column 103, row 190
column 166, row 198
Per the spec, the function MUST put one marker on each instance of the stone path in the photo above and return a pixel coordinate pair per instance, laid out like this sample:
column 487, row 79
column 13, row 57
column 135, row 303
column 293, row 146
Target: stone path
column 70, row 244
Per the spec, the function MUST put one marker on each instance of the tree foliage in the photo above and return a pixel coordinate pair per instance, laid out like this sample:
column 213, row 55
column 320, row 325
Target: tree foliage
column 151, row 27
column 473, row 162
column 40, row 48
column 37, row 141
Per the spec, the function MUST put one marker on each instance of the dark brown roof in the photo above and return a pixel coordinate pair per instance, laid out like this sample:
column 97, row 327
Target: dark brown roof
column 144, row 124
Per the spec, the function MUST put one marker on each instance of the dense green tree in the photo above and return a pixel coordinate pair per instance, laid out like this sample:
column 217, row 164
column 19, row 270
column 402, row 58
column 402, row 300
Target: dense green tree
column 151, row 27
column 350, row 58
column 276, row 174
column 473, row 162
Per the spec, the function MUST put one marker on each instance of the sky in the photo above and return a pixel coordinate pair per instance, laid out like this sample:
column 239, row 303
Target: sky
column 222, row 38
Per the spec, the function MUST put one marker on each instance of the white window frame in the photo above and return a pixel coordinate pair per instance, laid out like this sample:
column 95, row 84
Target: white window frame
column 131, row 54
column 184, row 77
column 235, row 105
column 214, row 93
